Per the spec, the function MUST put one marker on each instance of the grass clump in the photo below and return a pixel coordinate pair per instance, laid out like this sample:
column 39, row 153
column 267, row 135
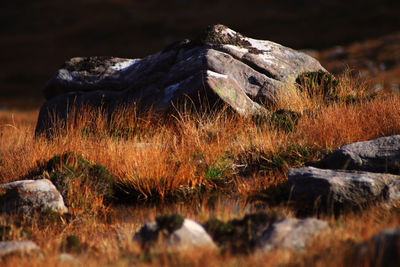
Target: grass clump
column 291, row 156
column 284, row 119
column 11, row 232
column 318, row 81
column 71, row 244
column 281, row 119
column 79, row 181
column 218, row 172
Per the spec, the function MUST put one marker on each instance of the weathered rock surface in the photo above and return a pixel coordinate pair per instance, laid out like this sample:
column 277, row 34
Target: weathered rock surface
column 220, row 65
column 27, row 196
column 354, row 188
column 381, row 250
column 189, row 235
column 378, row 155
column 291, row 233
column 393, row 192
column 17, row 247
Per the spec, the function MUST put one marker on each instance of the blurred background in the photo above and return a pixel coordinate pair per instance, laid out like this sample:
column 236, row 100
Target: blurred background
column 36, row 37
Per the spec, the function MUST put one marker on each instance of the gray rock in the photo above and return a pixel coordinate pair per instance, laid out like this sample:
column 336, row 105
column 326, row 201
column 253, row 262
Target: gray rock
column 291, row 233
column 27, row 196
column 393, row 192
column 189, row 235
column 378, row 155
column 220, row 65
column 354, row 188
column 18, row 247
column 381, row 250
column 68, row 258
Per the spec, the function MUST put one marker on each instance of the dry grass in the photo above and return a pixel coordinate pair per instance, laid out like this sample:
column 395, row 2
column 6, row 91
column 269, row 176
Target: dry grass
column 189, row 158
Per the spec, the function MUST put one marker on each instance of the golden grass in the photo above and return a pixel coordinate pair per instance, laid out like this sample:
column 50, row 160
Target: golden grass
column 174, row 158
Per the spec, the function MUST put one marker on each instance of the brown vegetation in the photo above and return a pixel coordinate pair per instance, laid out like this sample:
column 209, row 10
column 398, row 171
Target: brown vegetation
column 201, row 165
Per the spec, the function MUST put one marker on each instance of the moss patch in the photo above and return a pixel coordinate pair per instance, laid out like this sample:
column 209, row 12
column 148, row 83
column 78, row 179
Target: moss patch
column 169, row 222
column 214, row 35
column 90, row 64
column 240, row 235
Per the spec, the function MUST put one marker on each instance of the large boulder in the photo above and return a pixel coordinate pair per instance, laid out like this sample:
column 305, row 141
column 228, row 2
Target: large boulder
column 381, row 250
column 27, row 196
column 291, row 233
column 178, row 232
column 219, row 65
column 378, row 155
column 348, row 188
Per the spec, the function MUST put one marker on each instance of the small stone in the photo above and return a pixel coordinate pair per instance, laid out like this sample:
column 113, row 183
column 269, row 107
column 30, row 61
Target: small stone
column 18, row 247
column 291, row 233
column 189, row 234
column 27, row 196
column 67, row 258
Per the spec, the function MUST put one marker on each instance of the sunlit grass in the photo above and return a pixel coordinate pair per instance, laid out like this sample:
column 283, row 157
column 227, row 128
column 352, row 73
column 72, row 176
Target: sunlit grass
column 213, row 164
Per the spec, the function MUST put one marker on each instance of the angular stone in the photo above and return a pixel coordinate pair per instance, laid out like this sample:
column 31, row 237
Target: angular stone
column 27, row 196
column 17, row 247
column 189, row 235
column 220, row 65
column 381, row 250
column 378, row 155
column 354, row 188
column 291, row 233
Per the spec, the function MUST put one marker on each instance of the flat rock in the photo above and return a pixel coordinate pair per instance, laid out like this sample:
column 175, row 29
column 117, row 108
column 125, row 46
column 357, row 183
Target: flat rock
column 353, row 188
column 27, row 196
column 189, row 235
column 17, row 247
column 378, row 155
column 220, row 65
column 291, row 233
column 381, row 250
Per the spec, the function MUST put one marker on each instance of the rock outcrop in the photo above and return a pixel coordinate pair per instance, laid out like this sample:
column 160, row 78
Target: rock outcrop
column 219, row 65
column 353, row 175
column 27, row 196
column 350, row 188
column 378, row 155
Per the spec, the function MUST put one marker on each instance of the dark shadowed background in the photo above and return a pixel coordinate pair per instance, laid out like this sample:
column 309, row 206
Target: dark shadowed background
column 38, row 36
